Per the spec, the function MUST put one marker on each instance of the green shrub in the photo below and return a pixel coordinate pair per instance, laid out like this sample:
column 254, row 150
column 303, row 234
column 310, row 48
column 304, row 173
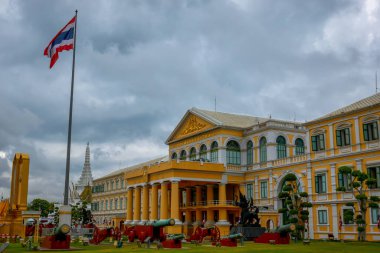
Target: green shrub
column 283, row 195
column 293, row 220
column 282, row 210
column 361, row 197
column 374, row 198
column 300, row 227
column 373, row 205
column 361, row 229
column 304, row 194
column 350, row 204
column 341, row 189
column 292, row 212
column 287, row 188
column 345, row 170
column 304, row 212
column 290, row 178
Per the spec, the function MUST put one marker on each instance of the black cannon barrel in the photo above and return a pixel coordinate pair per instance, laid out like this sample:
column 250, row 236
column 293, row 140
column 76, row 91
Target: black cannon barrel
column 163, row 223
column 62, row 230
column 286, row 228
column 176, row 237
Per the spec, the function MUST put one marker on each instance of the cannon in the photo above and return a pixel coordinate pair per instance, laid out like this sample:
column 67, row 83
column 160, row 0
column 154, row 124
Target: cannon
column 149, row 232
column 200, row 233
column 280, row 235
column 101, row 234
column 230, row 240
column 59, row 239
column 173, row 241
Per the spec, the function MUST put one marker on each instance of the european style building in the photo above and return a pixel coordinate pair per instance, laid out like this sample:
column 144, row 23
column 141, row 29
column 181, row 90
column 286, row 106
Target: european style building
column 212, row 156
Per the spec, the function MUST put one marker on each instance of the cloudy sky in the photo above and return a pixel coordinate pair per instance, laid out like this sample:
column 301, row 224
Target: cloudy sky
column 141, row 64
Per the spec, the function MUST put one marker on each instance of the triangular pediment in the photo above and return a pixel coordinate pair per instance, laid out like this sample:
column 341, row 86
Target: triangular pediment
column 190, row 125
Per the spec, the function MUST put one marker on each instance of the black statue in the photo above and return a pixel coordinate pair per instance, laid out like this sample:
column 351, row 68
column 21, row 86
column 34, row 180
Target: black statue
column 249, row 215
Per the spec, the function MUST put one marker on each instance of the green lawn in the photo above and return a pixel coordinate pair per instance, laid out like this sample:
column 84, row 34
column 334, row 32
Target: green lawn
column 315, row 246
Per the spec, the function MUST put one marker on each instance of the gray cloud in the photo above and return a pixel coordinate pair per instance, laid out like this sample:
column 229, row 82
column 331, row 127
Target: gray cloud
column 142, row 64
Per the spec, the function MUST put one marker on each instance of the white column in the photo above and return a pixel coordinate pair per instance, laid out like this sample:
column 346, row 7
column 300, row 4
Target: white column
column 359, row 164
column 222, row 155
column 331, row 137
column 256, row 188
column 335, row 220
column 310, row 192
column 357, row 134
column 270, row 185
column 333, row 179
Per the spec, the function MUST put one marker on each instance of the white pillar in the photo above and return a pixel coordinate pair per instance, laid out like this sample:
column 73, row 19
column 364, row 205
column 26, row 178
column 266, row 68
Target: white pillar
column 335, row 220
column 333, row 180
column 310, row 192
column 331, row 137
column 357, row 134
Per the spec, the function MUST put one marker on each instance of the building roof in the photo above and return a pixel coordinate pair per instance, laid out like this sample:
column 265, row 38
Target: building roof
column 361, row 104
column 136, row 166
column 229, row 119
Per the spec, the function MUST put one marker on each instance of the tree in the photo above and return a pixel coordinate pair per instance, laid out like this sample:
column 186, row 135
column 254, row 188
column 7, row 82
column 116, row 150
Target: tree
column 359, row 187
column 296, row 204
column 80, row 214
column 41, row 205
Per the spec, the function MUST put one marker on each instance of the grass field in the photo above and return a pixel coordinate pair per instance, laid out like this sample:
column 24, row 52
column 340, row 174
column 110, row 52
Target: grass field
column 315, row 246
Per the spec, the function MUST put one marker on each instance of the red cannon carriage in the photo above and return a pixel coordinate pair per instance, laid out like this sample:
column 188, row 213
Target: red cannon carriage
column 150, row 232
column 201, row 232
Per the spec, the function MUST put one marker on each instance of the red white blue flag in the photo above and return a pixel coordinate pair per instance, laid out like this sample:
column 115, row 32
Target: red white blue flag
column 64, row 40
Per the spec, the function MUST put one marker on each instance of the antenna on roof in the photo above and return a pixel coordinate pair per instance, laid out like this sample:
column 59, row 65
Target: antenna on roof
column 376, row 80
column 215, row 104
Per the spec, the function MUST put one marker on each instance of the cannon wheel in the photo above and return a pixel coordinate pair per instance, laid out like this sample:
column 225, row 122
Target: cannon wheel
column 215, row 234
column 198, row 234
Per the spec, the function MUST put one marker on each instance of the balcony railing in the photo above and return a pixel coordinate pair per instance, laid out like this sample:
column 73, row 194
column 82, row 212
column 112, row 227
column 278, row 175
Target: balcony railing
column 209, row 203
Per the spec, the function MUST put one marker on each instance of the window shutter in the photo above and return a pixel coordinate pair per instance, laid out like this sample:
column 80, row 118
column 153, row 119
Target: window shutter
column 323, row 183
column 375, row 131
column 321, row 141
column 317, row 184
column 347, row 134
column 314, row 143
column 365, row 132
column 340, row 179
column 338, row 138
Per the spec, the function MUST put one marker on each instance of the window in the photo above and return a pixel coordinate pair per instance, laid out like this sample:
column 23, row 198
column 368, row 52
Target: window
column 108, row 186
column 193, row 154
column 249, row 191
column 116, row 206
column 203, row 153
column 122, row 184
column 112, row 185
column 375, row 215
column 102, row 205
column 320, row 183
column 174, row 156
column 318, row 142
column 117, row 184
column 322, row 216
column 121, row 203
column 249, row 152
column 263, row 149
column 233, row 153
column 106, row 204
column 183, row 155
column 264, row 189
column 111, row 204
column 370, row 131
column 348, row 214
column 214, row 152
column 374, row 172
column 345, row 180
column 300, row 147
column 343, row 137
column 281, row 147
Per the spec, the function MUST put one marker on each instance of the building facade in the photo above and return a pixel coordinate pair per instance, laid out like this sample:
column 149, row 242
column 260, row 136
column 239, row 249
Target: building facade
column 213, row 156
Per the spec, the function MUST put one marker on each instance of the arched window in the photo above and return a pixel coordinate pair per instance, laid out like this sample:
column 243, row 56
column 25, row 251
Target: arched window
column 249, row 152
column 174, row 156
column 233, row 153
column 281, row 147
column 214, row 152
column 300, row 147
column 193, row 154
column 263, row 149
column 203, row 153
column 183, row 155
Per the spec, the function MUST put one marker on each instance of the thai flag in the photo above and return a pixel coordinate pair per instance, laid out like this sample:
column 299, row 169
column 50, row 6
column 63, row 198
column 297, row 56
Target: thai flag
column 64, row 40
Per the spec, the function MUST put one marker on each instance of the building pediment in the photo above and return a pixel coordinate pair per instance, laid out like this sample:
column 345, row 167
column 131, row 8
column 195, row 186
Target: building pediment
column 190, row 125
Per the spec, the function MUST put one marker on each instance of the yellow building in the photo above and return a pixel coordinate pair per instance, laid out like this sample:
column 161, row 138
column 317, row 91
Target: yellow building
column 214, row 155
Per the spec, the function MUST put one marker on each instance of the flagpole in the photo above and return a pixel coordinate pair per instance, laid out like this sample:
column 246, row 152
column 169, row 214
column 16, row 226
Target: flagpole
column 67, row 177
